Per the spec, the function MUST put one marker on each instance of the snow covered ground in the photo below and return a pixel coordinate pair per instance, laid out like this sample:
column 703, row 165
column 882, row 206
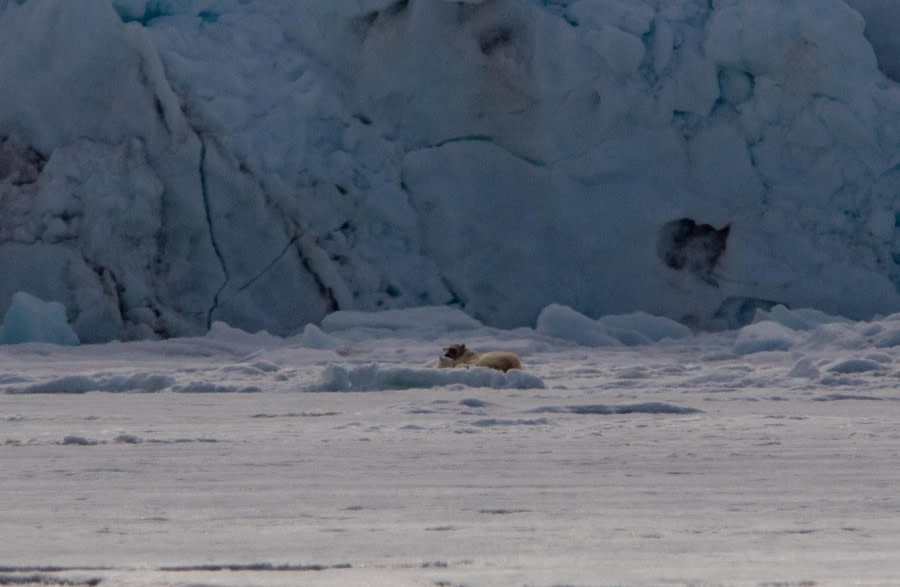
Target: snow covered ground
column 553, row 169
column 762, row 456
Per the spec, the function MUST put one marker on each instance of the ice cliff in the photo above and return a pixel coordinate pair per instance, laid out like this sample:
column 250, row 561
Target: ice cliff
column 167, row 164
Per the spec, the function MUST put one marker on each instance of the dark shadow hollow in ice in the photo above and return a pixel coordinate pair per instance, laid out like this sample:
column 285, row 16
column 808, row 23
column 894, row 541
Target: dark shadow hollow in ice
column 685, row 245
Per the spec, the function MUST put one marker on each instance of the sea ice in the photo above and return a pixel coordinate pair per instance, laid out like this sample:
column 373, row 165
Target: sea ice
column 638, row 328
column 466, row 476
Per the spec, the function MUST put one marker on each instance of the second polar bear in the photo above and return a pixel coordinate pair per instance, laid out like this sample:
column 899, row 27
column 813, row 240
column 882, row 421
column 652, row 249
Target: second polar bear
column 457, row 355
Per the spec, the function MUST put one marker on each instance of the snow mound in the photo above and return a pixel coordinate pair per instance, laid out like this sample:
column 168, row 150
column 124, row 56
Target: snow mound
column 377, row 377
column 638, row 328
column 804, row 368
column 109, row 382
column 856, row 365
column 30, row 319
column 763, row 337
column 312, row 337
column 222, row 332
column 800, row 319
column 889, row 338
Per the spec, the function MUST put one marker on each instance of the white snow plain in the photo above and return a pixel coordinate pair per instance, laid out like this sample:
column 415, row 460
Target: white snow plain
column 170, row 164
column 762, row 456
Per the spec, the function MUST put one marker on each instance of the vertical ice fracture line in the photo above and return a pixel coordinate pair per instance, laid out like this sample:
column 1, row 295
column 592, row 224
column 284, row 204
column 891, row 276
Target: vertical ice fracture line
column 204, row 187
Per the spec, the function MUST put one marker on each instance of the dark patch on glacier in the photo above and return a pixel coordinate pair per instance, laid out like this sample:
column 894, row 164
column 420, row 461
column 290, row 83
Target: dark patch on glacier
column 685, row 245
column 19, row 163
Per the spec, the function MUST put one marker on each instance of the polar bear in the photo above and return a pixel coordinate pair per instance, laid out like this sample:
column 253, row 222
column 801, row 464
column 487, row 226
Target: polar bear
column 457, row 355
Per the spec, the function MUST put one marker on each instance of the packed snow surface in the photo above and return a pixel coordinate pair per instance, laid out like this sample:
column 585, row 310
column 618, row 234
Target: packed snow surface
column 763, row 456
column 582, row 182
column 168, row 165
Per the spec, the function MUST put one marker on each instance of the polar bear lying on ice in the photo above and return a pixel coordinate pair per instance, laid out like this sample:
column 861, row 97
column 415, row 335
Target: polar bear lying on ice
column 457, row 355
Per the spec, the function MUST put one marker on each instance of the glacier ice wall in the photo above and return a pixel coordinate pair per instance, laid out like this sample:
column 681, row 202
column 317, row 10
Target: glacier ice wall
column 167, row 164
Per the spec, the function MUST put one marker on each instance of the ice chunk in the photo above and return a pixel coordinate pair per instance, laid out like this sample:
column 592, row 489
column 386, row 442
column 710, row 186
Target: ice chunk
column 565, row 323
column 816, row 48
column 312, row 337
column 222, row 332
column 643, row 325
column 881, row 30
column 764, row 336
column 804, row 368
column 638, row 328
column 888, row 339
column 108, row 382
column 848, row 366
column 377, row 377
column 622, row 51
column 30, row 319
column 801, row 319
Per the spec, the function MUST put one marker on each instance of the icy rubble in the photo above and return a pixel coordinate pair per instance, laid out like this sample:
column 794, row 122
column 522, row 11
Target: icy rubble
column 264, row 163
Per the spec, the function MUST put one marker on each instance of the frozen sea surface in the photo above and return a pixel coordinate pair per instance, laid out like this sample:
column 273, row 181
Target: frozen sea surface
column 222, row 461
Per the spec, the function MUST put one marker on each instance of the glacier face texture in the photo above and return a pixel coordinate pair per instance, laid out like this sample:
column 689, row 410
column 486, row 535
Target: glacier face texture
column 168, row 164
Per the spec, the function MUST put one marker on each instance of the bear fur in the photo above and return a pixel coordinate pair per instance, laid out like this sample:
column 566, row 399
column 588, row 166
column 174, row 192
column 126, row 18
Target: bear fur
column 457, row 355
